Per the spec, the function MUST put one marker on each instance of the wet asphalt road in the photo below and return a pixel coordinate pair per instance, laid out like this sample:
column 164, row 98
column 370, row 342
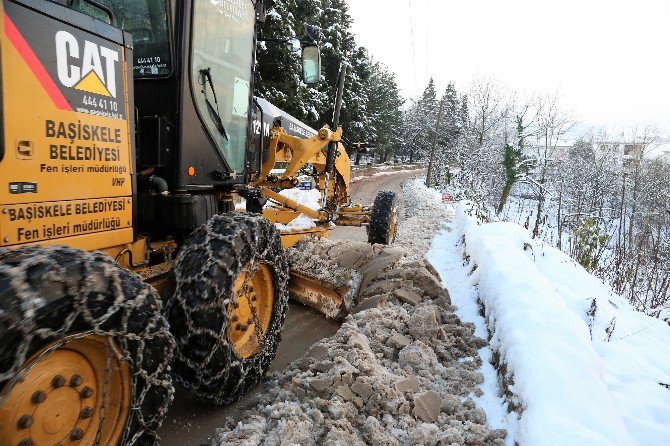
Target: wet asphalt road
column 190, row 423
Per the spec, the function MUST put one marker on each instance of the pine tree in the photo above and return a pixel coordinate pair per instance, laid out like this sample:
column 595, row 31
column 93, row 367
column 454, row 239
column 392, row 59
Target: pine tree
column 369, row 110
column 278, row 73
column 513, row 162
column 384, row 112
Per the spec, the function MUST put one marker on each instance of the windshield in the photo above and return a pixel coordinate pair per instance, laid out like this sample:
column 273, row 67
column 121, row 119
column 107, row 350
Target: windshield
column 146, row 20
column 223, row 32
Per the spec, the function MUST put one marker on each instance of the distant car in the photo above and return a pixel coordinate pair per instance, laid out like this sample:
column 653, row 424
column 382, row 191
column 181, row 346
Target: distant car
column 447, row 197
column 306, row 182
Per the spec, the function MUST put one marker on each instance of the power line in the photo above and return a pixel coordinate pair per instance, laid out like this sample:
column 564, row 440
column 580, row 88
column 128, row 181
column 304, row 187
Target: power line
column 411, row 30
column 425, row 34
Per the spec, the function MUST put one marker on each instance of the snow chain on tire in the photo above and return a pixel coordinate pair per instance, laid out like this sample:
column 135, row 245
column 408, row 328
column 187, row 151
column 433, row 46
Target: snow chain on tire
column 51, row 294
column 206, row 270
column 384, row 211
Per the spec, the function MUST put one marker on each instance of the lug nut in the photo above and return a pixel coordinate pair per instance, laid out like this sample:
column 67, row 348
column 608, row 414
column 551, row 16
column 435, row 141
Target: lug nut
column 39, row 397
column 26, row 442
column 235, row 318
column 241, row 327
column 250, row 321
column 86, row 412
column 251, row 289
column 76, row 434
column 76, row 380
column 86, row 392
column 25, row 422
column 57, row 382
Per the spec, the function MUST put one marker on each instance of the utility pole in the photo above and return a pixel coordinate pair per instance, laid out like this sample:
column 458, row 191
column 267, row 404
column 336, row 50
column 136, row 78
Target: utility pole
column 429, row 175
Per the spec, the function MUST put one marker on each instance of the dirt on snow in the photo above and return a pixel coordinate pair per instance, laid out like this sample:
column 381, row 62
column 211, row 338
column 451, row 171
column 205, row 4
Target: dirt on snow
column 402, row 369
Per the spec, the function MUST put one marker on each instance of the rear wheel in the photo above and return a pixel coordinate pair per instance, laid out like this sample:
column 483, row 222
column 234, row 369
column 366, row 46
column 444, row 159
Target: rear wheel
column 228, row 309
column 82, row 342
column 384, row 219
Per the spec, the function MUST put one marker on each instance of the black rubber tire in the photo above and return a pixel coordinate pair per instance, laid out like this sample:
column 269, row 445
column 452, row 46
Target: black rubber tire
column 379, row 231
column 205, row 272
column 48, row 293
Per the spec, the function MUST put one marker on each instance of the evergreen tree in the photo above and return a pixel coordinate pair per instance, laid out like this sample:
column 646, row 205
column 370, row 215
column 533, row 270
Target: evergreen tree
column 278, row 70
column 279, row 73
column 514, row 162
column 384, row 112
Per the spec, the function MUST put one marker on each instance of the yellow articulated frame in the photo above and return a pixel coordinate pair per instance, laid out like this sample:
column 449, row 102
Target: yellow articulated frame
column 355, row 215
column 298, row 152
column 320, row 216
column 292, row 237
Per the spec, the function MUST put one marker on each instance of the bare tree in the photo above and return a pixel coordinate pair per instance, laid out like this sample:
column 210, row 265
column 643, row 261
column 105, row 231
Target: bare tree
column 553, row 123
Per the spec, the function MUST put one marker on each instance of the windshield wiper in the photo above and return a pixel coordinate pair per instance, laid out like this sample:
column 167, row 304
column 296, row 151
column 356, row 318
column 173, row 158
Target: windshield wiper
column 207, row 77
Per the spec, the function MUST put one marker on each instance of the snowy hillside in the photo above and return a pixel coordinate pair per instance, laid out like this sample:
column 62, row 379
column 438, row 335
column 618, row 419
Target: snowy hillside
column 576, row 364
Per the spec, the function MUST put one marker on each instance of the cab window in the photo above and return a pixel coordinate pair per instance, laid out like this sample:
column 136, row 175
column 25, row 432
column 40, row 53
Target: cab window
column 221, row 67
column 147, row 21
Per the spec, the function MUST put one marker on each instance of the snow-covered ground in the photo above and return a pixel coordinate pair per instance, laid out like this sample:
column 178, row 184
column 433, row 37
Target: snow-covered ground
column 381, row 173
column 402, row 370
column 567, row 361
column 577, row 365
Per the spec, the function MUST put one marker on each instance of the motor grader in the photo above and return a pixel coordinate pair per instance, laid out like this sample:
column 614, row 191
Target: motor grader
column 129, row 132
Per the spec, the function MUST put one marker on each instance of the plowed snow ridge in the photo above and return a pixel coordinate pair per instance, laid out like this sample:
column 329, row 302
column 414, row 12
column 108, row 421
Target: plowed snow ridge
column 406, row 372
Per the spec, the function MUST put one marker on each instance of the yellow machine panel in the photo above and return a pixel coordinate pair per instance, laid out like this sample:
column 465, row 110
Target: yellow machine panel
column 66, row 172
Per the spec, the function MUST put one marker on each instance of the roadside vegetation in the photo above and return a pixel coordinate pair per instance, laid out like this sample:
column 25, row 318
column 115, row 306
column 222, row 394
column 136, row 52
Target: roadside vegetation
column 599, row 195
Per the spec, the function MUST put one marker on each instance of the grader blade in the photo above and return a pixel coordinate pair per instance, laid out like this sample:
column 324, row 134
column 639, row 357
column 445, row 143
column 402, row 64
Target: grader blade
column 319, row 295
column 320, row 282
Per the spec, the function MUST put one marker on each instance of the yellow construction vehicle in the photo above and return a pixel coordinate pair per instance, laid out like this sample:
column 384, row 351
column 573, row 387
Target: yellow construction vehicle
column 128, row 129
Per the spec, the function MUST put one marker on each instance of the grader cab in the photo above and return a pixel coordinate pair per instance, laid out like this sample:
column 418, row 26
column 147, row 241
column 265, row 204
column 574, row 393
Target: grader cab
column 128, row 131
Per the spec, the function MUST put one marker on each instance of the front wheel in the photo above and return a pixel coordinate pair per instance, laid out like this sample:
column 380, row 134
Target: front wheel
column 228, row 309
column 384, row 219
column 84, row 351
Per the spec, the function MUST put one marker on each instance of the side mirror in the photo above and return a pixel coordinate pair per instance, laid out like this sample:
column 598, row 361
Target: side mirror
column 311, row 64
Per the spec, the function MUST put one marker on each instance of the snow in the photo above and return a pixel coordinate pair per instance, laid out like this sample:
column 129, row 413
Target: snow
column 571, row 379
column 635, row 355
column 568, row 361
column 446, row 254
column 310, row 198
column 394, row 374
column 383, row 171
column 362, row 386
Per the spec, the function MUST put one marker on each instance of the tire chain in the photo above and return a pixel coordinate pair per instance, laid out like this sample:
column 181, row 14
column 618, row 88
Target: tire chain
column 385, row 205
column 92, row 295
column 206, row 270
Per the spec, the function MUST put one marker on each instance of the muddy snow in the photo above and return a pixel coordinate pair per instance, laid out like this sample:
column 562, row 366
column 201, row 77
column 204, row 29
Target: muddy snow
column 402, row 370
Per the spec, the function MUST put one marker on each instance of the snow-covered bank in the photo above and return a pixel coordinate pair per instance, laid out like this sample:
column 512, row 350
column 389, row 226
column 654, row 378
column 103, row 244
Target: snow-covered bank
column 447, row 254
column 579, row 364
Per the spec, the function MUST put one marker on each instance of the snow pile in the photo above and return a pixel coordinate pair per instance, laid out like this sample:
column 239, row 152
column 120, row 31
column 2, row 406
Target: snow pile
column 314, row 258
column 402, row 370
column 384, row 173
column 391, row 376
column 580, row 365
column 425, row 216
column 310, row 198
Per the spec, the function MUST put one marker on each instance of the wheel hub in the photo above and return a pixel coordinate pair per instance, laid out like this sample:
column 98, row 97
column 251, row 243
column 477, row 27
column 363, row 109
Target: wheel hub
column 251, row 313
column 59, row 400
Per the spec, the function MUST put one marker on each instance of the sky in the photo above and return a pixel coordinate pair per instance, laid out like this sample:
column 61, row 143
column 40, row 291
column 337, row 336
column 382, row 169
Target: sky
column 608, row 60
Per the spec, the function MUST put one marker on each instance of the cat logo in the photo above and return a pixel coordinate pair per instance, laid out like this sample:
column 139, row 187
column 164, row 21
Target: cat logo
column 84, row 70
